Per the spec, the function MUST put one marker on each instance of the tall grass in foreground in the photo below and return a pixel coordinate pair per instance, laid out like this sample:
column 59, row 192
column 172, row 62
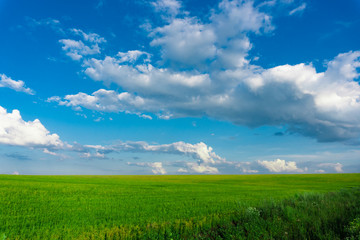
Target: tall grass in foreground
column 334, row 215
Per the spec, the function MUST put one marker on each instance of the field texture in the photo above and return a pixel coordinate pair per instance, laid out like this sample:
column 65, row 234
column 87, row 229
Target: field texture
column 105, row 207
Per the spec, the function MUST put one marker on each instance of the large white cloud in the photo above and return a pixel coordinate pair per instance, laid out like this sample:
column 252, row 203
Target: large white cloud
column 323, row 105
column 15, row 131
column 18, row 85
column 205, row 71
column 223, row 42
column 145, row 78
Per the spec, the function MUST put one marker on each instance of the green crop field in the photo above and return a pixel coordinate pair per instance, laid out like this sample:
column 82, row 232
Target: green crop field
column 84, row 207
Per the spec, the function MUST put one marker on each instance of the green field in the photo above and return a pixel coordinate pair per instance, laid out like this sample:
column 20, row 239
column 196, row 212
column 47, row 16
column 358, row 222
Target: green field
column 66, row 207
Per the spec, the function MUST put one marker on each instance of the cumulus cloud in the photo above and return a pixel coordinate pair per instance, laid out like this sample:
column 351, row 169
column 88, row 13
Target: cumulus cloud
column 279, row 165
column 223, row 42
column 156, row 167
column 18, row 85
column 323, row 105
column 238, row 16
column 77, row 49
column 169, row 7
column 145, row 78
column 185, row 41
column 207, row 63
column 335, row 166
column 17, row 132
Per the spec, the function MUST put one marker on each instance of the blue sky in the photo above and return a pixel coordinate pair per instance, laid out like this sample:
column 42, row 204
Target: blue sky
column 179, row 87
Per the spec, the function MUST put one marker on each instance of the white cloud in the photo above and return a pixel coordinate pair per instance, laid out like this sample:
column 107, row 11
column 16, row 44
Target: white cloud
column 202, row 168
column 250, row 171
column 199, row 151
column 245, row 167
column 185, row 41
column 170, row 7
column 156, row 167
column 18, row 85
column 320, row 171
column 204, row 155
column 77, row 49
column 54, row 99
column 146, row 79
column 144, row 116
column 182, row 170
column 133, row 56
column 15, row 131
column 106, row 101
column 49, row 152
column 323, row 105
column 89, row 37
column 336, row 166
column 204, row 71
column 298, row 10
column 279, row 165
column 237, row 17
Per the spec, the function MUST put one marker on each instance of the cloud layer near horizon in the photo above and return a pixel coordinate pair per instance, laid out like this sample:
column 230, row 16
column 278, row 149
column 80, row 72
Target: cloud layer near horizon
column 17, row 132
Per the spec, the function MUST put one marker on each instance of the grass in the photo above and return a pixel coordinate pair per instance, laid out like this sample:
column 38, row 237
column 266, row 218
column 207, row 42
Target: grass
column 114, row 207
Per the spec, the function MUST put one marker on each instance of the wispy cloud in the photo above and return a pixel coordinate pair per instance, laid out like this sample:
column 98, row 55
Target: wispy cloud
column 300, row 9
column 17, row 85
column 53, row 24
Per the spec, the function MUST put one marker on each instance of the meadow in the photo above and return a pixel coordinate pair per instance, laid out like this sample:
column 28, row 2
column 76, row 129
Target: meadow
column 177, row 207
